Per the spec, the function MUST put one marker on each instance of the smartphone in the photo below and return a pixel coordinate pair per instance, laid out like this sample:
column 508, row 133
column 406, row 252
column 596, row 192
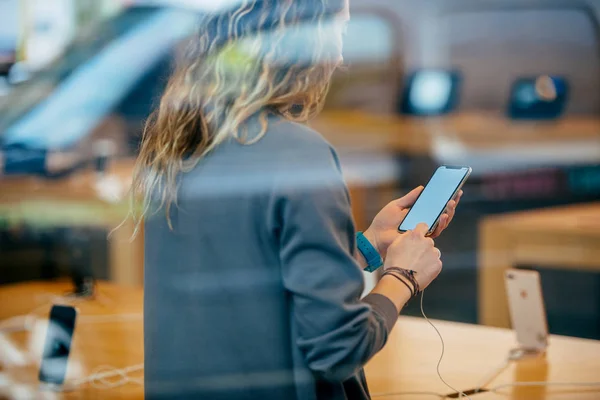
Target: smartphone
column 526, row 306
column 431, row 203
column 57, row 345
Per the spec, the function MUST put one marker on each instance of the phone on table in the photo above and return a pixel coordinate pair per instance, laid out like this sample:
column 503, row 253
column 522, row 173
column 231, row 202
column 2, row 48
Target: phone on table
column 57, row 345
column 431, row 203
column 526, row 306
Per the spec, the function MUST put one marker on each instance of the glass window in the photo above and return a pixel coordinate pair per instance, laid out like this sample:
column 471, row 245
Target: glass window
column 65, row 102
column 369, row 39
column 371, row 56
column 9, row 29
column 493, row 48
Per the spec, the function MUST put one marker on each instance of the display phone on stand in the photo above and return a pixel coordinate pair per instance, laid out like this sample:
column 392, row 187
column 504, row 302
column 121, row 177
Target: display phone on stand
column 431, row 203
column 527, row 311
column 57, row 346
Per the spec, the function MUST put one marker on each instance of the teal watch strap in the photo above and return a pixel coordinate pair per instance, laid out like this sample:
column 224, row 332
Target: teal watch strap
column 369, row 252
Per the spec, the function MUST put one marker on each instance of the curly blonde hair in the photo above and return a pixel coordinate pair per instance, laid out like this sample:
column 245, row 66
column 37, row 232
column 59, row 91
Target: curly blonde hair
column 261, row 56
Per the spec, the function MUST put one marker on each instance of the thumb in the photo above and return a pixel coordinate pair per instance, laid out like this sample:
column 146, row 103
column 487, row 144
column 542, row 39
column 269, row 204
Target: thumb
column 409, row 199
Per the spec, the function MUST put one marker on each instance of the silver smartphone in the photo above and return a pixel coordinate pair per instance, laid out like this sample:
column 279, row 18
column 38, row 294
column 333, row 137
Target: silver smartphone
column 431, row 203
column 527, row 311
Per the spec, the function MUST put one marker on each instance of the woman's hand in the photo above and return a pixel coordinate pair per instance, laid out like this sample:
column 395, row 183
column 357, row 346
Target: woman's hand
column 413, row 251
column 384, row 228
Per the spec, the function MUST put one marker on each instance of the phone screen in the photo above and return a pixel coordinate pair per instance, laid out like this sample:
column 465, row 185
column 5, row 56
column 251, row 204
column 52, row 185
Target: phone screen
column 433, row 199
column 57, row 345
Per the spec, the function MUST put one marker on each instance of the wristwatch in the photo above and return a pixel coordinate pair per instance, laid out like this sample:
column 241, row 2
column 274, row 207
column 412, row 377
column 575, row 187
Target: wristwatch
column 369, row 252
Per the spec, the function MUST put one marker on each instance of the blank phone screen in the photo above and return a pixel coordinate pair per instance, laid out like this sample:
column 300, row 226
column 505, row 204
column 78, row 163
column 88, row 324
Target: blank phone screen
column 58, row 344
column 432, row 201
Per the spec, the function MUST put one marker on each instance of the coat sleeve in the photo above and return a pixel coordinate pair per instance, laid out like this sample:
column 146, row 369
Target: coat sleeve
column 337, row 331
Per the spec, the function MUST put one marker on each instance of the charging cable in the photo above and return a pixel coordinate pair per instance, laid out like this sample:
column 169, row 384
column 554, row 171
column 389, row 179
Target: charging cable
column 109, row 377
column 460, row 393
column 102, row 377
column 514, row 355
column 441, row 396
column 27, row 321
column 492, row 375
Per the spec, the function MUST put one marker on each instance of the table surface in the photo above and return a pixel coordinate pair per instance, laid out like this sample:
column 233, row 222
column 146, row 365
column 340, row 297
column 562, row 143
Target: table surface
column 474, row 353
column 576, row 219
column 109, row 331
column 73, row 200
column 565, row 237
column 81, row 200
column 477, row 131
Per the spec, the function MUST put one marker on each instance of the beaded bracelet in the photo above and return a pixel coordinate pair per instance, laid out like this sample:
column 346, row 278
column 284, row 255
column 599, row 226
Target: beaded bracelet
column 397, row 276
column 408, row 274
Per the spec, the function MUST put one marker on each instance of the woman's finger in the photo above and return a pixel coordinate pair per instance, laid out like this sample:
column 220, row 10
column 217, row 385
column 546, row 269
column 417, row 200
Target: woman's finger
column 447, row 219
column 441, row 225
column 451, row 209
column 459, row 196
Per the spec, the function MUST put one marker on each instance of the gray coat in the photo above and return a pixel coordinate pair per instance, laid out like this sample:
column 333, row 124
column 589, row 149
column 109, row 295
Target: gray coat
column 255, row 294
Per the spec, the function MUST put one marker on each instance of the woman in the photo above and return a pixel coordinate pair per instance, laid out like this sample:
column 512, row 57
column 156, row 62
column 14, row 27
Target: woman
column 252, row 282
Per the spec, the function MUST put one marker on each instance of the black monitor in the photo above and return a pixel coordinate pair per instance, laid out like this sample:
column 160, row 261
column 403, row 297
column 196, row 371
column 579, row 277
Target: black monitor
column 537, row 98
column 430, row 92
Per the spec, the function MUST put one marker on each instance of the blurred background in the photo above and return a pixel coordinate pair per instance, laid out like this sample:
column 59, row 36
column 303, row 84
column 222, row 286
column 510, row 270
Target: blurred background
column 510, row 88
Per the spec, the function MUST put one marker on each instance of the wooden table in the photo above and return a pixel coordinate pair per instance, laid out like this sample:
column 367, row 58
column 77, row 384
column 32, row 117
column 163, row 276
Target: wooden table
column 407, row 363
column 358, row 131
column 109, row 331
column 565, row 237
column 472, row 354
column 74, row 201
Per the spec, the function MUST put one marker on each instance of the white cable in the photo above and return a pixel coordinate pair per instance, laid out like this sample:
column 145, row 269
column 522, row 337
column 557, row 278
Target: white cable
column 15, row 324
column 514, row 354
column 103, row 377
column 100, row 377
column 26, row 322
column 30, row 318
column 460, row 393
column 495, row 388
column 492, row 375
